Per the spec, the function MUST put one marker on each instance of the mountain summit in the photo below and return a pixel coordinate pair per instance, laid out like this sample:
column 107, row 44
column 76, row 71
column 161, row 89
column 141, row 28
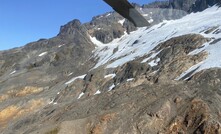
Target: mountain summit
column 107, row 76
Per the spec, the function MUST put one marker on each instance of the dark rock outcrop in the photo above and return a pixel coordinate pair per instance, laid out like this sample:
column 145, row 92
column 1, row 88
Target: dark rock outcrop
column 193, row 5
column 107, row 27
column 200, row 5
column 185, row 5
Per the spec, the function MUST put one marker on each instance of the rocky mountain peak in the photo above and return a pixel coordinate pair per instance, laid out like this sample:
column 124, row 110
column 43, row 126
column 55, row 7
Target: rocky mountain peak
column 70, row 28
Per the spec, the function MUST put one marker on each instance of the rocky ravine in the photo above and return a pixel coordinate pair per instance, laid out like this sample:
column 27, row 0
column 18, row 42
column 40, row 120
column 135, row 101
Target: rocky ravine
column 95, row 79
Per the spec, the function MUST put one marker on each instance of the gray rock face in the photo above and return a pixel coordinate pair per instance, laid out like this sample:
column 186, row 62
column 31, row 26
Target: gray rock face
column 193, row 5
column 182, row 5
column 107, row 27
column 185, row 5
column 200, row 5
column 157, row 4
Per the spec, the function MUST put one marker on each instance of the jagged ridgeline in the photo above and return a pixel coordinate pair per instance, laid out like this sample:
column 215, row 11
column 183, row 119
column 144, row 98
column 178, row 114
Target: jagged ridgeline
column 108, row 76
column 185, row 5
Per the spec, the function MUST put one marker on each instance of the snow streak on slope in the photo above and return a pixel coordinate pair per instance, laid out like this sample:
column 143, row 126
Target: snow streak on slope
column 144, row 40
column 75, row 78
column 42, row 54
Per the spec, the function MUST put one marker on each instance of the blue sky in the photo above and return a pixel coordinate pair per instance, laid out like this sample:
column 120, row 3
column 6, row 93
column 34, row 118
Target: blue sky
column 24, row 21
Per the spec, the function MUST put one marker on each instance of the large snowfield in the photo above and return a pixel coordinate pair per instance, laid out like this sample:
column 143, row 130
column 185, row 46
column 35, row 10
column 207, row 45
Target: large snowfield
column 142, row 41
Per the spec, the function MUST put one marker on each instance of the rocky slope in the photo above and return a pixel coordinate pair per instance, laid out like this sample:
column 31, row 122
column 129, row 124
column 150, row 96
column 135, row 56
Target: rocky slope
column 107, row 76
column 185, row 5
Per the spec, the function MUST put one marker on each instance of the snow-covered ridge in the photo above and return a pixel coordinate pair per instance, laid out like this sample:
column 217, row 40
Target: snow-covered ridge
column 144, row 40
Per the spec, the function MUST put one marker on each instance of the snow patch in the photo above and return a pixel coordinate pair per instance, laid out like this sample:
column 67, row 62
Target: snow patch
column 111, row 87
column 150, row 20
column 96, row 42
column 99, row 17
column 61, row 45
column 108, row 14
column 51, row 101
column 131, row 79
column 153, row 55
column 13, row 72
column 80, row 95
column 184, row 74
column 42, row 54
column 70, row 74
column 98, row 92
column 145, row 15
column 154, row 62
column 110, row 75
column 75, row 78
column 121, row 21
column 212, row 61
